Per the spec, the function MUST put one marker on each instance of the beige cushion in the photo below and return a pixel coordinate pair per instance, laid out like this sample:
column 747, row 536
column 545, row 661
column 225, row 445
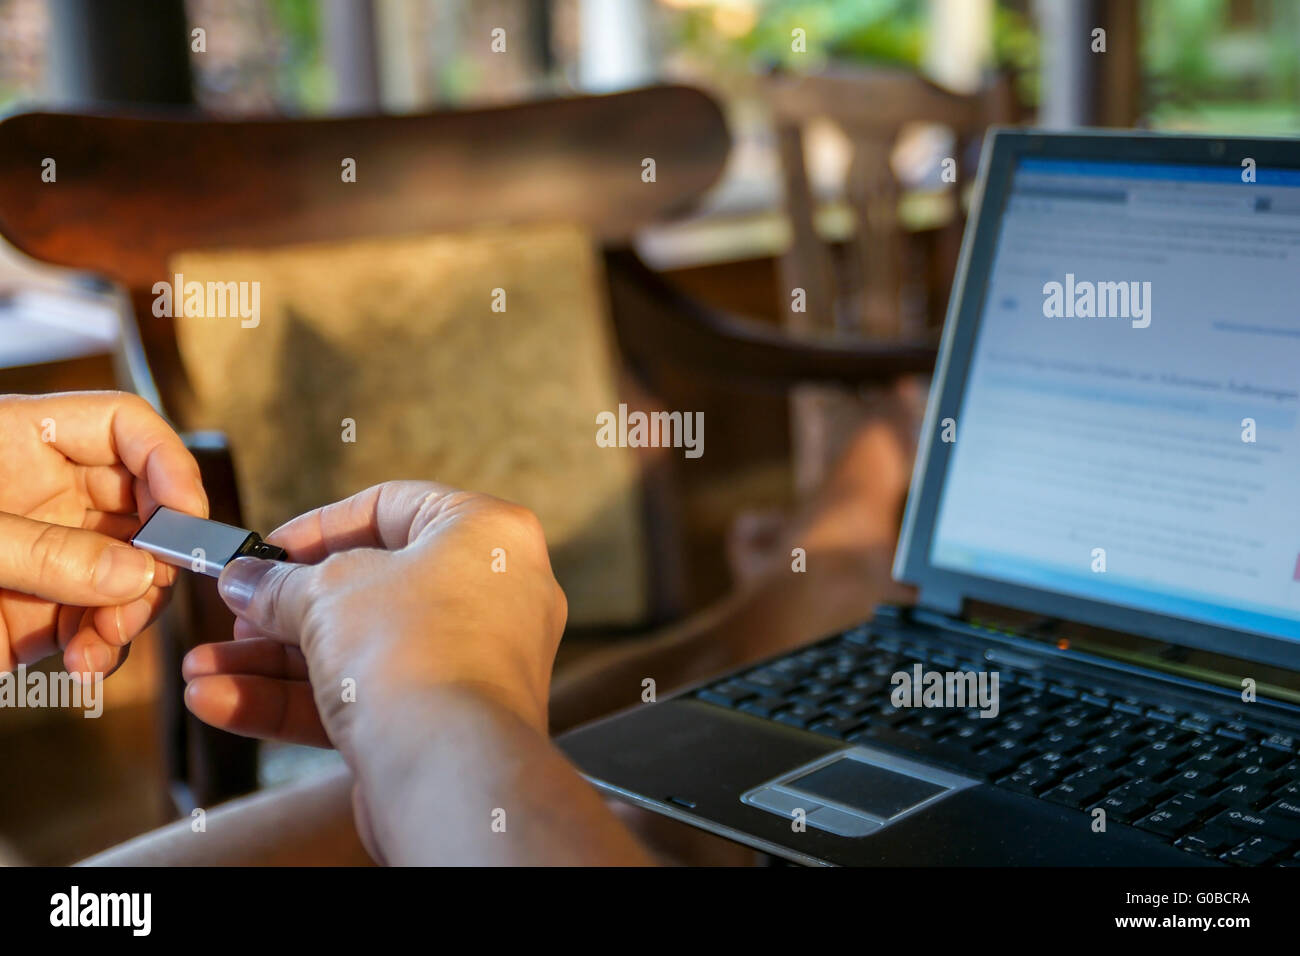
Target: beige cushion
column 399, row 335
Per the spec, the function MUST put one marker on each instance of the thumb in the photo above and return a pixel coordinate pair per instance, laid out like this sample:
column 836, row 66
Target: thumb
column 271, row 596
column 70, row 565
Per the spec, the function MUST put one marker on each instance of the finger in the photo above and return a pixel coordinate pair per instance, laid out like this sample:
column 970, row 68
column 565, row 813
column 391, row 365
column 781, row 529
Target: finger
column 29, row 627
column 111, row 525
column 88, row 653
column 36, row 628
column 123, row 623
column 106, row 487
column 257, row 657
column 272, row 596
column 110, row 428
column 70, row 565
column 258, row 707
column 164, row 574
column 123, row 527
column 379, row 517
column 244, row 631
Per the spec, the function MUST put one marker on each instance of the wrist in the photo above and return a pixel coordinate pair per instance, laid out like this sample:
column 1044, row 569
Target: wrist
column 412, row 756
column 400, row 726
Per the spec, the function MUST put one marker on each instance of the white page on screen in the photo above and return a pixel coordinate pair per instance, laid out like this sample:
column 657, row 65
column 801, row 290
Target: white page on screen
column 1150, row 458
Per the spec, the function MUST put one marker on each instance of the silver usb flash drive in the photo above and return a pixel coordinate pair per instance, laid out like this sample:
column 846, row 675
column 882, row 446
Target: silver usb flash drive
column 199, row 544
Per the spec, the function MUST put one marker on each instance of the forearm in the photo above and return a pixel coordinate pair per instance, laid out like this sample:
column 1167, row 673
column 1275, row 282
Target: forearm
column 451, row 777
column 308, row 823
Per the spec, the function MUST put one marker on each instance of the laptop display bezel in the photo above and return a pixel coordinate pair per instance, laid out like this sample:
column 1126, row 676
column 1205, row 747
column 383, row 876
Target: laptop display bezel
column 948, row 590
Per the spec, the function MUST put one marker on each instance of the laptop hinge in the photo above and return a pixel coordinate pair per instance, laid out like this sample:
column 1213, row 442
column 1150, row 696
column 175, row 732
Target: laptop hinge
column 941, row 600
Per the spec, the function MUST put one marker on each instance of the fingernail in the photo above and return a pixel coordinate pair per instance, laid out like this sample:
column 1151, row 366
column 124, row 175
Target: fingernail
column 123, row 572
column 97, row 659
column 239, row 581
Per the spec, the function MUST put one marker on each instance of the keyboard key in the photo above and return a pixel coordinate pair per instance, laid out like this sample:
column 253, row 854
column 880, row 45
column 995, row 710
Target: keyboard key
column 1233, row 731
column 1123, row 807
column 1060, row 740
column 1167, row 823
column 726, row 695
column 993, row 762
column 1070, row 795
column 1162, row 750
column 1100, row 755
column 1146, row 765
column 1242, row 795
column 800, row 715
column 1254, row 774
column 1031, row 784
column 1208, row 841
column 1209, row 744
column 1146, row 787
column 764, row 706
column 1256, row 851
column 851, row 705
column 1196, row 803
column 1288, row 791
column 771, row 679
column 1260, row 822
column 861, row 636
column 1253, row 754
column 1209, row 762
column 814, row 698
column 1193, row 781
column 1283, row 742
column 891, row 716
column 966, row 733
column 1081, row 788
column 838, row 727
column 1288, row 808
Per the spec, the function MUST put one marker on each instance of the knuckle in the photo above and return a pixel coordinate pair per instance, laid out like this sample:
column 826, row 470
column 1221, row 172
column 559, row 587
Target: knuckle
column 331, row 576
column 130, row 401
column 523, row 522
column 50, row 556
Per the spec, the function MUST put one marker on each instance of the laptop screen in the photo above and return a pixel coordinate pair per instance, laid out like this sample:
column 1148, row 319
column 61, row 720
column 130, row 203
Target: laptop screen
column 1128, row 430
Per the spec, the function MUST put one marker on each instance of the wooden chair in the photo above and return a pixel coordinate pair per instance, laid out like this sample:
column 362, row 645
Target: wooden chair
column 868, row 294
column 886, row 282
column 133, row 190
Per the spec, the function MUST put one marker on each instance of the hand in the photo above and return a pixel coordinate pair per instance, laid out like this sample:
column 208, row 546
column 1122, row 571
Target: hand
column 76, row 471
column 402, row 595
column 396, row 593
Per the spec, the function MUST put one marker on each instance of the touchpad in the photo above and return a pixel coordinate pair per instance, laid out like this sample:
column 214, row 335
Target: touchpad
column 866, row 787
column 856, row 792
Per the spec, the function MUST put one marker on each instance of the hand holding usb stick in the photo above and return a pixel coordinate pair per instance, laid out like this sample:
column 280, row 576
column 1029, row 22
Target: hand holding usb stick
column 198, row 544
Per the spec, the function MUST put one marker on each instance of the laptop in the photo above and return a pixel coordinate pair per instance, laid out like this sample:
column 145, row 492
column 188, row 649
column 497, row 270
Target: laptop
column 1104, row 529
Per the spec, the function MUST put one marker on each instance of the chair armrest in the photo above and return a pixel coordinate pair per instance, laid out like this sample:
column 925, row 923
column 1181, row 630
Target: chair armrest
column 657, row 323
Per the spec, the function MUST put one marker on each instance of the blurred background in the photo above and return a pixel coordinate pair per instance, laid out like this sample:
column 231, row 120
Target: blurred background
column 841, row 118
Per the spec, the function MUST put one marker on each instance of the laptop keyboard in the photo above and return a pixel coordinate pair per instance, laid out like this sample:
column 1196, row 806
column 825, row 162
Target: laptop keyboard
column 1216, row 787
